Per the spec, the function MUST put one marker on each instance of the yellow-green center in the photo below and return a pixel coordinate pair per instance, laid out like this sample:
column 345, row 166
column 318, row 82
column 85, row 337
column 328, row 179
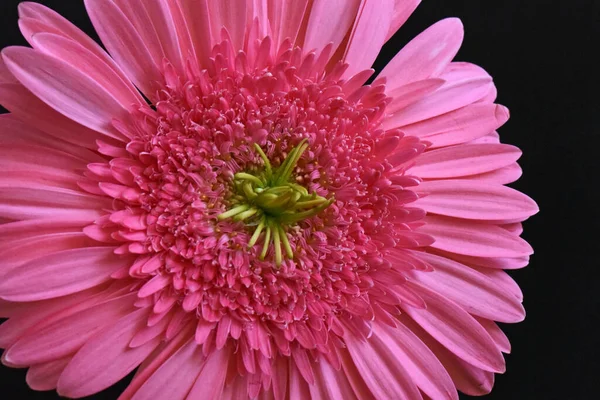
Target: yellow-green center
column 271, row 202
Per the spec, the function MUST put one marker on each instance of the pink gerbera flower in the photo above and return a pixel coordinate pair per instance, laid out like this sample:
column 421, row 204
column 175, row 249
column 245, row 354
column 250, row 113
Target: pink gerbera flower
column 266, row 225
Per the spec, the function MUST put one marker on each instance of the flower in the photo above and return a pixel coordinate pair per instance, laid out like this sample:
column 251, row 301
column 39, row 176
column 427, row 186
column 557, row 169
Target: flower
column 265, row 224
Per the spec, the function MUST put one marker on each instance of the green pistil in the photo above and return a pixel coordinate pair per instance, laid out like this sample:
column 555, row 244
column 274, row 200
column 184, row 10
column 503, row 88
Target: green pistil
column 272, row 202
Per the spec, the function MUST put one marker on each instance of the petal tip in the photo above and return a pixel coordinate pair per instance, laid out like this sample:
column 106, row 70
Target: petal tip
column 502, row 114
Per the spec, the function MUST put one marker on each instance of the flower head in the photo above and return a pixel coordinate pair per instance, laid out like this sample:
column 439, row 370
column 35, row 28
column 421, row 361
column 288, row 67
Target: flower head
column 267, row 224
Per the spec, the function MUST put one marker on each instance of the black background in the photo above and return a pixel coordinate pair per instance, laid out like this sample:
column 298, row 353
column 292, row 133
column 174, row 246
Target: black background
column 542, row 55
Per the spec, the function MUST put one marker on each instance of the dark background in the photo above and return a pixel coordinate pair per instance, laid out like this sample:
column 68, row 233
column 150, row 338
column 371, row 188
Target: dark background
column 542, row 55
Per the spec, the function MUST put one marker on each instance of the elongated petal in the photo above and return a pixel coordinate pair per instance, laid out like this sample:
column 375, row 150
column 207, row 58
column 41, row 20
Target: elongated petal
column 331, row 384
column 124, row 44
column 26, row 318
column 38, row 161
column 473, row 291
column 402, row 10
column 298, row 388
column 474, row 200
column 106, row 358
column 496, row 334
column 454, row 95
column 426, row 56
column 14, row 131
column 368, row 34
column 329, row 22
column 22, row 197
column 474, row 239
column 384, row 374
column 64, row 337
column 20, row 101
column 453, row 327
column 45, row 376
column 16, row 252
column 468, row 379
column 58, row 24
column 192, row 19
column 459, row 161
column 36, row 18
column 209, row 383
column 459, row 126
column 60, row 274
column 66, row 89
column 5, row 75
column 409, row 94
column 176, row 376
column 504, row 280
column 421, row 364
column 79, row 57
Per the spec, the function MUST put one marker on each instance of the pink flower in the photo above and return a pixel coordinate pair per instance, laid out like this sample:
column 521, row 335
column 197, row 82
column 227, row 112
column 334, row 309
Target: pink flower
column 267, row 225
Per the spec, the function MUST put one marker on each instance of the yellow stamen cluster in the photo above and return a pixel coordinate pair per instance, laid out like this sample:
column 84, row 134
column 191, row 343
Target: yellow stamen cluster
column 271, row 202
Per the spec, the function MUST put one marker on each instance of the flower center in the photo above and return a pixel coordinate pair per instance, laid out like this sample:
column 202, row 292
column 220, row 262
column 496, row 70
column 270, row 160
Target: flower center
column 271, row 202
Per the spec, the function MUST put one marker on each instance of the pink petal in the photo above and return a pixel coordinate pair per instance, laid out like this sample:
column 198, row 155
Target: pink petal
column 192, row 19
column 58, row 24
column 279, row 379
column 14, row 253
column 474, row 200
column 490, row 138
column 496, row 262
column 140, row 18
column 286, row 17
column 14, row 131
column 26, row 318
column 459, row 161
column 468, row 379
column 473, row 291
column 155, row 284
column 155, row 25
column 504, row 280
column 21, row 197
column 66, row 89
column 209, row 383
column 329, row 22
column 502, row 176
column 303, row 364
column 496, row 334
column 237, row 389
column 382, row 371
column 426, row 56
column 474, row 239
column 36, row 18
column 298, row 388
column 331, row 384
column 174, row 379
column 60, row 274
column 421, row 364
column 402, row 10
column 409, row 94
column 65, row 336
column 231, row 18
column 368, row 34
column 460, row 126
column 79, row 57
column 458, row 92
column 106, row 358
column 42, row 162
column 124, row 44
column 5, row 75
column 20, row 102
column 45, row 376
column 453, row 327
column 29, row 228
